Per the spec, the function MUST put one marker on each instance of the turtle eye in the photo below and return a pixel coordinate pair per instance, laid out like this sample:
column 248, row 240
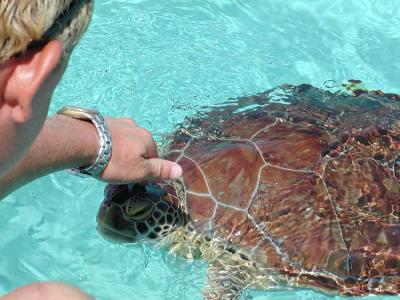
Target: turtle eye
column 139, row 209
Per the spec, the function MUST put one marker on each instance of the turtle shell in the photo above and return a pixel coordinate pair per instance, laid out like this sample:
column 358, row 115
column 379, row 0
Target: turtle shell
column 303, row 180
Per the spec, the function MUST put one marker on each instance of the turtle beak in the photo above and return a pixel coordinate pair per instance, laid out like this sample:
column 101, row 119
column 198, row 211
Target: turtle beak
column 113, row 236
column 112, row 225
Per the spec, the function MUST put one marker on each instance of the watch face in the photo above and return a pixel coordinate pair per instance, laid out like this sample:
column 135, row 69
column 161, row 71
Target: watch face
column 80, row 109
column 78, row 112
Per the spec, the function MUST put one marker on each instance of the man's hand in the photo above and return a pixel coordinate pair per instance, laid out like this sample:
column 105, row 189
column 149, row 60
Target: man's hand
column 134, row 155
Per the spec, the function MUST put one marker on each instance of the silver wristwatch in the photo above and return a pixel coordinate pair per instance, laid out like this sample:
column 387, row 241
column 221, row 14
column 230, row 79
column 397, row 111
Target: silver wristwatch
column 105, row 145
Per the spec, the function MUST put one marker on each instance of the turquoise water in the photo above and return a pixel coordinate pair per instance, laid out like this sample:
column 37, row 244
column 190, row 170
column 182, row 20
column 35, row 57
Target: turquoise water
column 157, row 62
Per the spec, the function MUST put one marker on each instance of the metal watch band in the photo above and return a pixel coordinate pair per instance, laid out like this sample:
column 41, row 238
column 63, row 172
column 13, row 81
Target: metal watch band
column 105, row 150
column 105, row 144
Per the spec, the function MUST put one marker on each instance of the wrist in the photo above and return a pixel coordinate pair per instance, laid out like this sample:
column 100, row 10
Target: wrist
column 79, row 138
column 104, row 139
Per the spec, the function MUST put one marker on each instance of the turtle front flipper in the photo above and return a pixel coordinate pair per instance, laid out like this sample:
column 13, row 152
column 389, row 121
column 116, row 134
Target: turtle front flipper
column 225, row 282
column 230, row 274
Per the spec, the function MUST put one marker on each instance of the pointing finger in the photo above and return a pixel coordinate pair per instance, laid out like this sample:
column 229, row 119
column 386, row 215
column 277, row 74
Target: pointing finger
column 163, row 169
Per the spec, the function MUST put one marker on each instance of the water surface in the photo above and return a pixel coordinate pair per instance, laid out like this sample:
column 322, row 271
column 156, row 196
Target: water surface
column 157, row 62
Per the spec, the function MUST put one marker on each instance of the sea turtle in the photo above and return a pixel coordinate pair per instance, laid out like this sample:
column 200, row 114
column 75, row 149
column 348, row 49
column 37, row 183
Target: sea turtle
column 295, row 186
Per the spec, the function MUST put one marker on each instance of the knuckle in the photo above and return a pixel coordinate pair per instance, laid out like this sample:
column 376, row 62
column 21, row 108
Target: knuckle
column 129, row 121
column 164, row 171
column 158, row 169
column 148, row 169
column 142, row 173
column 146, row 134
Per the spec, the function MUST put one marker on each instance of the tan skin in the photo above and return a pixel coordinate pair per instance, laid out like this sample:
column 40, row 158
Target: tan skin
column 33, row 146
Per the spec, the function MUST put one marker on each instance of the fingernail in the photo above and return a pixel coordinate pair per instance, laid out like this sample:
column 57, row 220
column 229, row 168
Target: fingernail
column 176, row 171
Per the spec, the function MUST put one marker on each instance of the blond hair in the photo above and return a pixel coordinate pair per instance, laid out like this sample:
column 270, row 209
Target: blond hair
column 25, row 21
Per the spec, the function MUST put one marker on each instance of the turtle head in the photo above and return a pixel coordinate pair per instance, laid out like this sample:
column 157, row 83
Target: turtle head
column 132, row 212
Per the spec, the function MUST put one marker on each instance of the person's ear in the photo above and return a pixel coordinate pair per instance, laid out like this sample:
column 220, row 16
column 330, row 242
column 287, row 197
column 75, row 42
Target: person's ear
column 28, row 73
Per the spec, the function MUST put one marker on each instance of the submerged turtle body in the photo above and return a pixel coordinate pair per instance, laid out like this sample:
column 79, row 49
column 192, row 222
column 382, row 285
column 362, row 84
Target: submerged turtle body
column 309, row 188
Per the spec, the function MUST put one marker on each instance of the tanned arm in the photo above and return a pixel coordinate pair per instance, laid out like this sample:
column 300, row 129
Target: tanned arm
column 65, row 143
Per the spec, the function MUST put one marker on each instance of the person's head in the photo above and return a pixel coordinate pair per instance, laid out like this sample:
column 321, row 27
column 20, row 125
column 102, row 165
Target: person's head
column 36, row 39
